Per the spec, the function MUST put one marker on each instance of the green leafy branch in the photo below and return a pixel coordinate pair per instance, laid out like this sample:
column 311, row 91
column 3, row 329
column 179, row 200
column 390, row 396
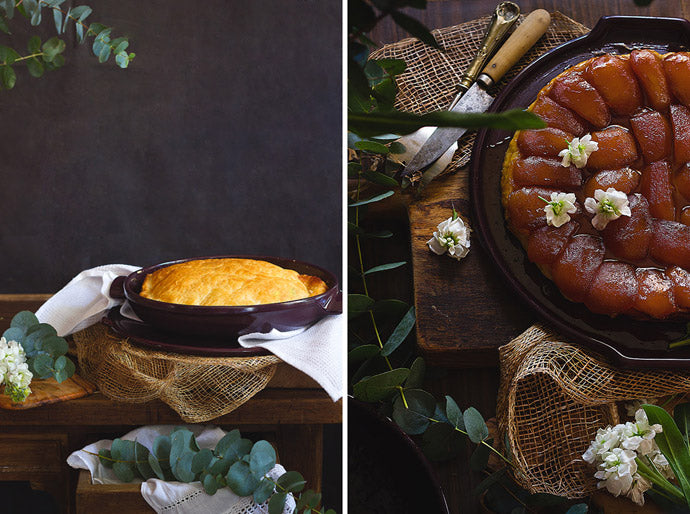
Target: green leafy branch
column 45, row 351
column 236, row 463
column 48, row 55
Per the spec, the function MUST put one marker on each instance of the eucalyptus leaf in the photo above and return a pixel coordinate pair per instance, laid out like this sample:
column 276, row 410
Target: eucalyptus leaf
column 105, row 458
column 238, row 449
column 81, row 12
column 412, row 414
column 141, row 458
column 161, row 449
column 385, row 267
column 4, row 27
column 262, row 458
column 415, row 28
column 373, row 199
column 264, row 491
column 23, row 319
column 416, row 377
column 226, row 441
column 475, row 426
column 292, row 481
column 441, row 442
column 57, row 18
column 201, row 460
column 41, row 365
column 241, row 480
column 210, row 485
column 64, row 369
column 220, row 466
column 374, row 123
column 480, row 457
column 35, row 67
column 363, row 352
column 122, row 449
column 34, row 46
column 183, row 467
column 156, row 466
column 9, row 77
column 454, row 413
column 14, row 334
column 489, row 481
column 9, row 8
column 380, row 387
column 357, row 303
column 124, row 471
column 400, row 332
column 277, row 503
column 578, row 508
column 52, row 48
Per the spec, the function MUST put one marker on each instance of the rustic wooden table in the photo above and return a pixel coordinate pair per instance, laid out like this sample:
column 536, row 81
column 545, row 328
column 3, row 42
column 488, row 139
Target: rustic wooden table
column 34, row 443
column 492, row 314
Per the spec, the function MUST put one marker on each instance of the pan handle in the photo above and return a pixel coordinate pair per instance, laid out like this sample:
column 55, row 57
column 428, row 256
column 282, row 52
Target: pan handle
column 117, row 288
column 334, row 303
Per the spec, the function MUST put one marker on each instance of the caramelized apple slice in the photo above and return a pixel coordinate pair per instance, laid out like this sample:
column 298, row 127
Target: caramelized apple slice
column 615, row 81
column 613, row 290
column 624, row 179
column 647, row 66
column 685, row 216
column 545, row 243
column 546, row 142
column 525, row 209
column 677, row 68
column 617, row 148
column 655, row 293
column 578, row 95
column 537, row 171
column 655, row 186
column 682, row 180
column 577, row 265
column 670, row 243
column 681, row 286
column 680, row 120
column 653, row 133
column 628, row 237
column 557, row 116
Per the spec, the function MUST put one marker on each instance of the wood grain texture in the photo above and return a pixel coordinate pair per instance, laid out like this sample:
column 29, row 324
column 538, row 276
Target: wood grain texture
column 109, row 498
column 45, row 392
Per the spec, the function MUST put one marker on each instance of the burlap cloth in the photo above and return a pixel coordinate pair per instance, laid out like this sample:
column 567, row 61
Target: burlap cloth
column 199, row 389
column 552, row 399
column 431, row 79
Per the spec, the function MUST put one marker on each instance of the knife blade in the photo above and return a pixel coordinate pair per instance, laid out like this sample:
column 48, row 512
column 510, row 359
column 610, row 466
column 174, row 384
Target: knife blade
column 476, row 99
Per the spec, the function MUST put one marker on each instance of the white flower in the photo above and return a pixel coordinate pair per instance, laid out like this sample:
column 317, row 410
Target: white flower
column 607, row 206
column 639, row 436
column 616, row 471
column 640, row 485
column 578, row 151
column 14, row 371
column 452, row 236
column 560, row 207
column 606, row 439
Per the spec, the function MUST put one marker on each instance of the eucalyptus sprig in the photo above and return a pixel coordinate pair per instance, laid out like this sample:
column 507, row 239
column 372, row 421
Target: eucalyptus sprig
column 235, row 462
column 45, row 351
column 48, row 55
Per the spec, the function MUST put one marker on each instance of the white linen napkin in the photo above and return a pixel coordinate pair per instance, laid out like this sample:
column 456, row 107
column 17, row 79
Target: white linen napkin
column 176, row 497
column 316, row 351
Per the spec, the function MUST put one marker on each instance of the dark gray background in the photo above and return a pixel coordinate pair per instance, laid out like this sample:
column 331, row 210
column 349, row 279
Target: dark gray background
column 223, row 136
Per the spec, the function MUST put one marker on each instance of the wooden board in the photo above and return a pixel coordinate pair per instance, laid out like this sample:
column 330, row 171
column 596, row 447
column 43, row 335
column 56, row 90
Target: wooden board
column 45, row 392
column 456, row 301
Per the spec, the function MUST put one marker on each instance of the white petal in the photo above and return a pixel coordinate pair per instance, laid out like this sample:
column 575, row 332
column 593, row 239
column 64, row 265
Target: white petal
column 435, row 246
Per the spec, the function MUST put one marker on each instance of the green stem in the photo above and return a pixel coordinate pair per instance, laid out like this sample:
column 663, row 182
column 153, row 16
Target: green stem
column 678, row 344
column 659, row 480
column 115, row 460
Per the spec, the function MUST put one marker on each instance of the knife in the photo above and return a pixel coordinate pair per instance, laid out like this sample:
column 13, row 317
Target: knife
column 476, row 99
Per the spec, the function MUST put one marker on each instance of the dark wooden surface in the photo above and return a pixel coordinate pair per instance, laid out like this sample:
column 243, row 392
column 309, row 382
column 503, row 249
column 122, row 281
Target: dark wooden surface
column 491, row 313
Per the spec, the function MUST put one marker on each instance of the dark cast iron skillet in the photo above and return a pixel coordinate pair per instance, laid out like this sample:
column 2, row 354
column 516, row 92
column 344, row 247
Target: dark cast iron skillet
column 627, row 342
column 230, row 322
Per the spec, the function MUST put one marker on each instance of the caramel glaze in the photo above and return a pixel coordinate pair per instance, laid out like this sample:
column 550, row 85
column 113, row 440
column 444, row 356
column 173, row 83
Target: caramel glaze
column 582, row 218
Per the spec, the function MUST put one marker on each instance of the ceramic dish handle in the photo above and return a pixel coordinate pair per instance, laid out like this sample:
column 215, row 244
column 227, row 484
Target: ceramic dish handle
column 334, row 304
column 117, row 288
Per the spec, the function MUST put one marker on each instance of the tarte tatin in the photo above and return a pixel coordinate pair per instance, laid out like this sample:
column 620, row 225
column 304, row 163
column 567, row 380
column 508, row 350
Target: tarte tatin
column 229, row 282
column 635, row 107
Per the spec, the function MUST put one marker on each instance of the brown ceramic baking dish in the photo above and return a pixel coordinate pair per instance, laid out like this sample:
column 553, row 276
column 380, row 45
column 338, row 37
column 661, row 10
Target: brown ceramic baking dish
column 231, row 321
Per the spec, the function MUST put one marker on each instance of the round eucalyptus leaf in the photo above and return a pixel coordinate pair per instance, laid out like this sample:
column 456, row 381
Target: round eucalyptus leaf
column 141, row 457
column 226, row 441
column 161, row 449
column 219, row 466
column 67, row 369
column 238, row 449
column 413, row 418
column 277, row 503
column 181, row 440
column 442, row 442
column 475, row 426
column 292, row 481
column 43, row 329
column 201, row 460
column 34, row 45
column 156, row 466
column 381, row 386
column 480, row 457
column 24, row 320
column 15, row 334
column 122, row 449
column 124, row 471
column 35, row 67
column 264, row 491
column 105, row 458
column 454, row 414
column 262, row 458
column 241, row 480
column 210, row 485
column 183, row 468
column 41, row 365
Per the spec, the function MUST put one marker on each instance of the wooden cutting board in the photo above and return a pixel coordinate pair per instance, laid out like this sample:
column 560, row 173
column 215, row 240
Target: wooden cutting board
column 45, row 392
column 458, row 302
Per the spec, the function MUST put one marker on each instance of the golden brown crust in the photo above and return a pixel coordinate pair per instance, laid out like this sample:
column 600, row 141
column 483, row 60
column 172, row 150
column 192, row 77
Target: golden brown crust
column 228, row 282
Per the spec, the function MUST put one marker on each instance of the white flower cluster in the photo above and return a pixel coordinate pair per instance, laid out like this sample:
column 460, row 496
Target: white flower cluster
column 559, row 208
column 607, row 206
column 452, row 237
column 578, row 151
column 14, row 371
column 614, row 451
